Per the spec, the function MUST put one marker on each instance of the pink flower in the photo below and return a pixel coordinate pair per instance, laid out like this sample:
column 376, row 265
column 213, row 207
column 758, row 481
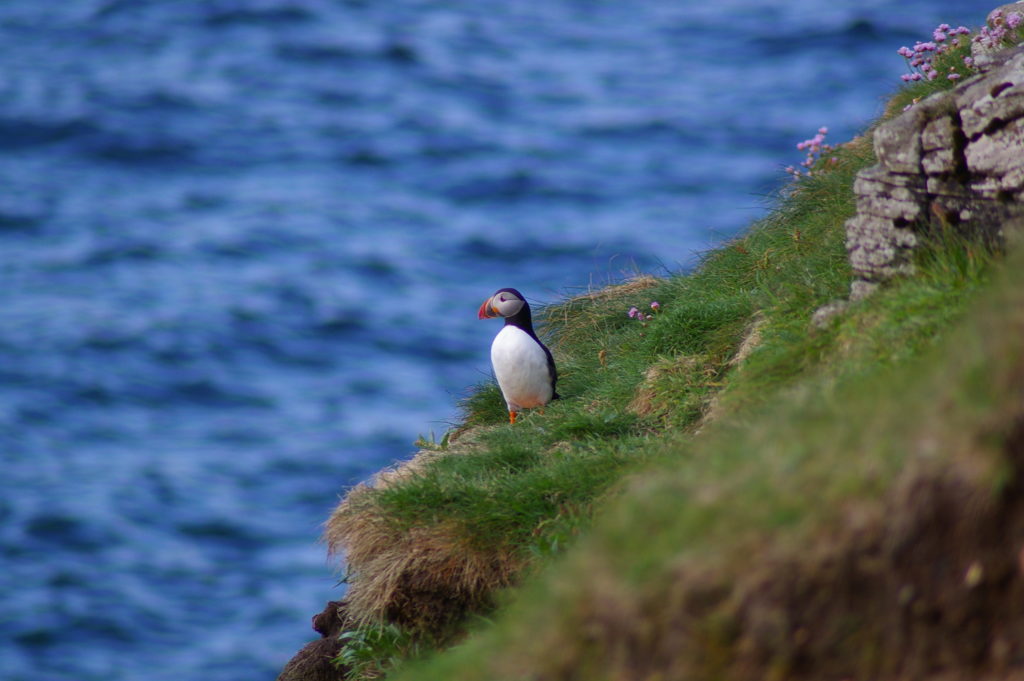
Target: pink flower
column 938, row 36
column 953, row 76
column 1013, row 19
column 815, row 148
column 655, row 305
column 991, row 37
column 633, row 312
column 968, row 62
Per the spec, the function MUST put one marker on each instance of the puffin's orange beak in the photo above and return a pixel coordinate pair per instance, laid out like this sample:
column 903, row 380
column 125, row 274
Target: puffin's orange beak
column 486, row 311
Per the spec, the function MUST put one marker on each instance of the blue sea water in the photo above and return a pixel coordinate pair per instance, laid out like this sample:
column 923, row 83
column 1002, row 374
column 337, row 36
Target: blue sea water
column 243, row 242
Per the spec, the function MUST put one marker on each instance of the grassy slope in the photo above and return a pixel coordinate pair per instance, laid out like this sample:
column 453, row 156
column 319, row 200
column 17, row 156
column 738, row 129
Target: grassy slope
column 712, row 515
column 786, row 450
column 553, row 465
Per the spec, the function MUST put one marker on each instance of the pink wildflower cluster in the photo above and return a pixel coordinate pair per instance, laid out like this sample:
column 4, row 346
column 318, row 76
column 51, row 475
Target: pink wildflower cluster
column 921, row 57
column 636, row 314
column 815, row 148
column 992, row 38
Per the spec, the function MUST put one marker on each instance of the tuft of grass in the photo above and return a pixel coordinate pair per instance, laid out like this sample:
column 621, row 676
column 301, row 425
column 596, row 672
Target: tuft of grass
column 502, row 493
column 373, row 651
column 483, row 405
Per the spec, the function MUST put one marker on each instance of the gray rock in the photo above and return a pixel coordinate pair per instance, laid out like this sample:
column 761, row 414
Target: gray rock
column 861, row 289
column 953, row 161
column 1000, row 13
column 824, row 315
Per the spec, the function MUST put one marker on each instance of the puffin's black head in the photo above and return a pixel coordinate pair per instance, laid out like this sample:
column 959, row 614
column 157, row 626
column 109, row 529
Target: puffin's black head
column 506, row 302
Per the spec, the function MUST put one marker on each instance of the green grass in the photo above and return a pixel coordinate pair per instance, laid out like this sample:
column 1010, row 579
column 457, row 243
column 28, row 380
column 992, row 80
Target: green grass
column 503, row 492
column 950, row 62
column 521, row 476
column 371, row 652
column 841, row 440
column 634, row 395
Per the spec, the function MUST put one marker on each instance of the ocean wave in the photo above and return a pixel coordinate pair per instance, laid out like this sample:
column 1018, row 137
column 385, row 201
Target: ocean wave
column 23, row 133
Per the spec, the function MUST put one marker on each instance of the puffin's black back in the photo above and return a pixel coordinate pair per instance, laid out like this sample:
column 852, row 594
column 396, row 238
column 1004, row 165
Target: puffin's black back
column 524, row 320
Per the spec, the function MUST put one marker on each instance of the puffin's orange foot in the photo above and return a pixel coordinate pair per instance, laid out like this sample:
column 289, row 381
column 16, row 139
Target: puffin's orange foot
column 512, row 417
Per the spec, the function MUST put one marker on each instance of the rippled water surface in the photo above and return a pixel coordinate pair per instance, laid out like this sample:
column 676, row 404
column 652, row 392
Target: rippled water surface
column 242, row 244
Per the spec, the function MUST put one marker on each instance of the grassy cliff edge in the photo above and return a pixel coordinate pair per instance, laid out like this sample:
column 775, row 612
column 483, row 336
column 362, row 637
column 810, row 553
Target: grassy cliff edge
column 731, row 486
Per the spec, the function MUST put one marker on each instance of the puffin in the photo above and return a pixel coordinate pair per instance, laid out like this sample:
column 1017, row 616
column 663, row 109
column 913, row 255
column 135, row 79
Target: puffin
column 522, row 364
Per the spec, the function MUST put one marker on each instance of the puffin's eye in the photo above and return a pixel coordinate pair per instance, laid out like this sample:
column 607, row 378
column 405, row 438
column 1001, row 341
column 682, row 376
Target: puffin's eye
column 502, row 299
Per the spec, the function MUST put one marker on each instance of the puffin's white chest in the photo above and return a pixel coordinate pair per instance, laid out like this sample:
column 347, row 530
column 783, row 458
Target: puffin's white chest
column 521, row 367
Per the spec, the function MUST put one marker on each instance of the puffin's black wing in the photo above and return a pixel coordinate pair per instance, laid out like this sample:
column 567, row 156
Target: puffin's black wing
column 551, row 370
column 524, row 320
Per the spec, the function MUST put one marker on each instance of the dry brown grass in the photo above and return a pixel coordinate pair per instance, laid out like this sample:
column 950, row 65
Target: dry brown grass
column 425, row 578
column 751, row 339
column 615, row 291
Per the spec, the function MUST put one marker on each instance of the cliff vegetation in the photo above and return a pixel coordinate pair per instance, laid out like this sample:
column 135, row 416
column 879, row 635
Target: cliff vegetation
column 752, row 473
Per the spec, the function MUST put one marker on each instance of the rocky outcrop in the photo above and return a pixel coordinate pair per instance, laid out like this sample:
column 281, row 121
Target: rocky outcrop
column 954, row 161
column 315, row 661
